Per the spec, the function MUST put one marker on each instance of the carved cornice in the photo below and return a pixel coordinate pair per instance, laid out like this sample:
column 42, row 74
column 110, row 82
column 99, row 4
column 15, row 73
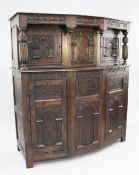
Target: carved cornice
column 117, row 24
column 71, row 21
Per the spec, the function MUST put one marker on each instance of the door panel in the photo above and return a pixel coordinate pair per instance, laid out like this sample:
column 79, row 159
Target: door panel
column 116, row 102
column 48, row 104
column 88, row 109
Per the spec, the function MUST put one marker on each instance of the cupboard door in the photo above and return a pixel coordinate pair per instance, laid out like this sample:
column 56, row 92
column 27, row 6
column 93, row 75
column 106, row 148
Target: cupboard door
column 44, row 46
column 88, row 110
column 116, row 101
column 48, row 112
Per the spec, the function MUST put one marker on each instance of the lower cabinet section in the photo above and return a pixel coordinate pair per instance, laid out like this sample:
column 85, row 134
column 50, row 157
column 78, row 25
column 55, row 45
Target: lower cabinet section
column 66, row 113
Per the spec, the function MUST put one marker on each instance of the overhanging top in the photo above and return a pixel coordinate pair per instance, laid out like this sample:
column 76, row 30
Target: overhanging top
column 22, row 19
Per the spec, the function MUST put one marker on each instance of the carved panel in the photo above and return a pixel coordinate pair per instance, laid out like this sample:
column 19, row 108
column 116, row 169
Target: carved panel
column 44, row 45
column 48, row 92
column 88, row 123
column 88, row 74
column 87, row 20
column 87, row 86
column 48, row 75
column 82, row 47
column 115, row 84
column 87, row 83
column 115, row 118
column 49, row 126
column 110, row 47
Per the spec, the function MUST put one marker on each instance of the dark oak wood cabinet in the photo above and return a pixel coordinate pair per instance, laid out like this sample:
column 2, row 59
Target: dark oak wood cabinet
column 70, row 83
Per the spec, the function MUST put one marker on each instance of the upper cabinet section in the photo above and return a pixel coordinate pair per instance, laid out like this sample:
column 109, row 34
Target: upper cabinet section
column 65, row 41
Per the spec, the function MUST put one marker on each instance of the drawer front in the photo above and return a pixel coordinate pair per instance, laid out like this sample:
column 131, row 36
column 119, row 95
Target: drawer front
column 116, row 101
column 48, row 112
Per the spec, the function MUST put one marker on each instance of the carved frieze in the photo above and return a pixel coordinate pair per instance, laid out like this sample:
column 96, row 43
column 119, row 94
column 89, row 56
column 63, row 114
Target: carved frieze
column 88, row 74
column 116, row 24
column 87, row 20
column 46, row 18
column 48, row 75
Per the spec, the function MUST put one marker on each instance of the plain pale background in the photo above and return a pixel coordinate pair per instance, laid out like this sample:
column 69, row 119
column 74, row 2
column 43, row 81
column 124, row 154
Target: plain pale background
column 120, row 158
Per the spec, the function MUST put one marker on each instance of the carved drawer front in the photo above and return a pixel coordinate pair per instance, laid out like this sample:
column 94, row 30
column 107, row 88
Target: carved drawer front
column 88, row 109
column 116, row 100
column 44, row 46
column 48, row 112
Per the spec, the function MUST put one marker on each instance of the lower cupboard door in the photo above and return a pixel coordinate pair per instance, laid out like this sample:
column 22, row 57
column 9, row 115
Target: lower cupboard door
column 48, row 117
column 88, row 126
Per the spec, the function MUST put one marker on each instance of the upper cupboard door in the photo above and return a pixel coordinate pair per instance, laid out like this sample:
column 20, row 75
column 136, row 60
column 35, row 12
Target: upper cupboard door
column 82, row 47
column 44, row 46
column 48, row 112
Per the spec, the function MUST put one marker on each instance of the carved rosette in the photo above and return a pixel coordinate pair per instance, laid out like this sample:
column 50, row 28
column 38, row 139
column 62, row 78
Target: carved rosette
column 23, row 48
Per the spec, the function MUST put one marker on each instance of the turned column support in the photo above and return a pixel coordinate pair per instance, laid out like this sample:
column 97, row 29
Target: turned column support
column 23, row 48
column 125, row 47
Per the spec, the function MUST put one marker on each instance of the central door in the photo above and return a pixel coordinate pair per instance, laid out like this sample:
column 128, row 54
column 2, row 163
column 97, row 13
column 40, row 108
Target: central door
column 88, row 110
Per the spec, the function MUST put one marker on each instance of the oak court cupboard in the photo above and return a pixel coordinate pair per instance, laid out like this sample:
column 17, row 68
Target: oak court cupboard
column 70, row 83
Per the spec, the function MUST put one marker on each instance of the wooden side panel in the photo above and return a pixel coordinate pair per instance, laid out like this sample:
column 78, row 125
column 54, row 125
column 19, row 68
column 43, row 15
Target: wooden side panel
column 17, row 91
column 15, row 61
